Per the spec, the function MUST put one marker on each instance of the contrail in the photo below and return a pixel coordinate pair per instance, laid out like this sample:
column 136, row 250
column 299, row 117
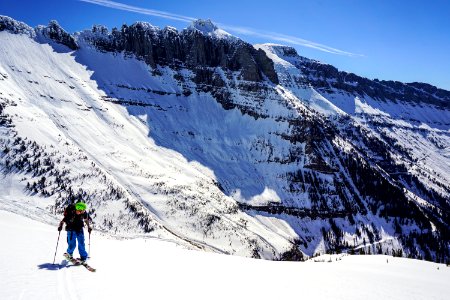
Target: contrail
column 235, row 29
column 140, row 10
column 286, row 38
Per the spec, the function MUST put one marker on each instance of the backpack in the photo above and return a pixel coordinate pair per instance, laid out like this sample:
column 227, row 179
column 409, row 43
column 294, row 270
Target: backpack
column 69, row 212
column 73, row 221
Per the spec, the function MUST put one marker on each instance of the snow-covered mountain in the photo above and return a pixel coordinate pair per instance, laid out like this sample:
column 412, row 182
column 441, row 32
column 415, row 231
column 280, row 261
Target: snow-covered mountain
column 199, row 137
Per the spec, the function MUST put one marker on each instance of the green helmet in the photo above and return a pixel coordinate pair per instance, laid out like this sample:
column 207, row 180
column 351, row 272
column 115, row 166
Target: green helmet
column 80, row 206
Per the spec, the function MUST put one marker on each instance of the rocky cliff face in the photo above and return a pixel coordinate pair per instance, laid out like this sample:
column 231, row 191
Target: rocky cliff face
column 190, row 48
column 294, row 143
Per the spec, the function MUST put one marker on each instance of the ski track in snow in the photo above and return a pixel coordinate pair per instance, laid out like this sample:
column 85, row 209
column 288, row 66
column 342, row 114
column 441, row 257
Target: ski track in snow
column 151, row 268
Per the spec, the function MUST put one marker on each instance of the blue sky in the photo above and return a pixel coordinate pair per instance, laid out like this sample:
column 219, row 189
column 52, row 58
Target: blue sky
column 391, row 40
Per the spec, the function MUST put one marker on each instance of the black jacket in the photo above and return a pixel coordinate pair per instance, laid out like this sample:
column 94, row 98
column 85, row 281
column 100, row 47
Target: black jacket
column 74, row 221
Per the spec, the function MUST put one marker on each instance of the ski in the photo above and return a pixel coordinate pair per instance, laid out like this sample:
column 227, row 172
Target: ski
column 77, row 262
column 88, row 267
column 71, row 259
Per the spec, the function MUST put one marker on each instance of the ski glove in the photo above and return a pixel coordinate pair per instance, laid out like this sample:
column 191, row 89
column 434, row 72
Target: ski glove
column 89, row 229
column 60, row 227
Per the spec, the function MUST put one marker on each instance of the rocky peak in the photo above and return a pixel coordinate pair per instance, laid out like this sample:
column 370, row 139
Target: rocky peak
column 205, row 26
column 145, row 27
column 99, row 29
column 170, row 30
column 13, row 26
column 56, row 33
column 208, row 28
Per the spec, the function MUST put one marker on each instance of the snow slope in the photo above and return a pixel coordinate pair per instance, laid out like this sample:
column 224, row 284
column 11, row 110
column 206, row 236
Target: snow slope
column 157, row 269
column 58, row 103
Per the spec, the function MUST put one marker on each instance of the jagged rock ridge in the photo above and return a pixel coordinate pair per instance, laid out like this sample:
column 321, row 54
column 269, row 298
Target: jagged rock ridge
column 191, row 48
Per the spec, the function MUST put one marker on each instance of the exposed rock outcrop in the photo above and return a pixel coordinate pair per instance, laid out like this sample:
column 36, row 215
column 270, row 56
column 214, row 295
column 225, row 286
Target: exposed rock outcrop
column 13, row 26
column 56, row 33
column 190, row 47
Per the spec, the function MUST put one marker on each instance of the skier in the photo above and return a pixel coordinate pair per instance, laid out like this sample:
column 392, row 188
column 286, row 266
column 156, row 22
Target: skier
column 75, row 216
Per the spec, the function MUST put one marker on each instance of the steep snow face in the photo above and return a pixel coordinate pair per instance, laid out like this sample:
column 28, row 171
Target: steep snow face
column 411, row 127
column 129, row 162
column 387, row 121
column 286, row 63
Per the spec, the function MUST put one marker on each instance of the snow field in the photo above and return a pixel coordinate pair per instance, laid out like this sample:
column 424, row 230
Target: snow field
column 156, row 269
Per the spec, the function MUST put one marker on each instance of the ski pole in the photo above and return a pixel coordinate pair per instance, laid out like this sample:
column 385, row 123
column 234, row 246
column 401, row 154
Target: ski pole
column 89, row 245
column 56, row 250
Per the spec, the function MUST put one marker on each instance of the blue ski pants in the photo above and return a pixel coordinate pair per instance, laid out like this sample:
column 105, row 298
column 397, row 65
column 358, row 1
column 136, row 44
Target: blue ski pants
column 72, row 238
